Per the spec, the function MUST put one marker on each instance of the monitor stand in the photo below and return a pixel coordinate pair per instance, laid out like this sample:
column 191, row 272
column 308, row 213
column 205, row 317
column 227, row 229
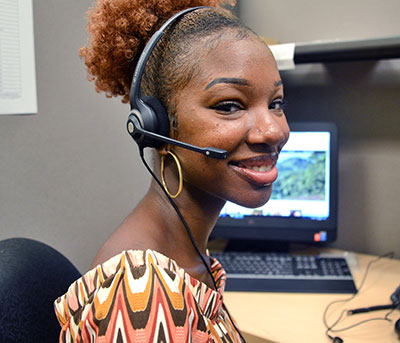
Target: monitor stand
column 257, row 246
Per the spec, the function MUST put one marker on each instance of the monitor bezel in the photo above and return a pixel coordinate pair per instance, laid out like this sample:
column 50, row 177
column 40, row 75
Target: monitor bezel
column 290, row 229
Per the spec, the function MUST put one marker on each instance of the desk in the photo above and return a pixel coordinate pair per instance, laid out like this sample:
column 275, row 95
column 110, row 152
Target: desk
column 297, row 317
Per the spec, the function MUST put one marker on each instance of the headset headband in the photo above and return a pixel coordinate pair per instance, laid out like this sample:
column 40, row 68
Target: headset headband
column 145, row 55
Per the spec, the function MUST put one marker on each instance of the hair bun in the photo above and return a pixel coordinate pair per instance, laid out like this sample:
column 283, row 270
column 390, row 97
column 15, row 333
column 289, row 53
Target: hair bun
column 118, row 31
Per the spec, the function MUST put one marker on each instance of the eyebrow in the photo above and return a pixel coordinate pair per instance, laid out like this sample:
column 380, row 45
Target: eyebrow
column 236, row 81
column 233, row 80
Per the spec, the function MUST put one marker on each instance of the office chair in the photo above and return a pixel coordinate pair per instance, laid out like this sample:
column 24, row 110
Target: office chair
column 32, row 276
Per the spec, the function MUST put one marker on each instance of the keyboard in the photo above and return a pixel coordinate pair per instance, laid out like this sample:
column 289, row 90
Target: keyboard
column 272, row 272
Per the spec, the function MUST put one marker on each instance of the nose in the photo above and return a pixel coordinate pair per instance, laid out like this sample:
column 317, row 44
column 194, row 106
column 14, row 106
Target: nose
column 268, row 128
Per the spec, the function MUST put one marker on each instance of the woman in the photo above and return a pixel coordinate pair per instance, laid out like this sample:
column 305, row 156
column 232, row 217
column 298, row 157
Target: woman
column 221, row 88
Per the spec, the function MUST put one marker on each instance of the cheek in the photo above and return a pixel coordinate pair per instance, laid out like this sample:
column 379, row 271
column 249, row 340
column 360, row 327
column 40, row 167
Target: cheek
column 224, row 135
column 201, row 172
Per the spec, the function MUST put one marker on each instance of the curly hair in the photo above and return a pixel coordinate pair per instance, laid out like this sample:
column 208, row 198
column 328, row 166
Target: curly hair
column 119, row 30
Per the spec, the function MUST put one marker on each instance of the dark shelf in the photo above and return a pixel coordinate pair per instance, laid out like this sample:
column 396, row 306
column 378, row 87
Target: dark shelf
column 352, row 50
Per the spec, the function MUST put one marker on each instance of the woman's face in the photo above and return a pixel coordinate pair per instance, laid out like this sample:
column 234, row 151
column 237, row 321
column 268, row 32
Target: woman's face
column 234, row 103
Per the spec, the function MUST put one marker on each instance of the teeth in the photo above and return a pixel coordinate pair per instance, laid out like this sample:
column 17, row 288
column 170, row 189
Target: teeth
column 262, row 168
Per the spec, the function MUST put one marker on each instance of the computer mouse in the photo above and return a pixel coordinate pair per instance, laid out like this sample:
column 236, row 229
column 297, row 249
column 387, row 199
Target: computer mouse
column 397, row 328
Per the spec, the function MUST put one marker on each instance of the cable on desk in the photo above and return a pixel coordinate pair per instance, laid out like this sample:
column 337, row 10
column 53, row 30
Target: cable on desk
column 330, row 328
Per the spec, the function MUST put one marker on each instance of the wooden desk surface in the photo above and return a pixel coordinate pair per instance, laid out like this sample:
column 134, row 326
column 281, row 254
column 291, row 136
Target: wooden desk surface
column 297, row 317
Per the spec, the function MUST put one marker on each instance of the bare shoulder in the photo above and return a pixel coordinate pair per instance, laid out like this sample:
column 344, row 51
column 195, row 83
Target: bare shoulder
column 130, row 235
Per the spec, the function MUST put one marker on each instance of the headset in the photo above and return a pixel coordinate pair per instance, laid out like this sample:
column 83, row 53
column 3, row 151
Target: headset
column 148, row 125
column 148, row 122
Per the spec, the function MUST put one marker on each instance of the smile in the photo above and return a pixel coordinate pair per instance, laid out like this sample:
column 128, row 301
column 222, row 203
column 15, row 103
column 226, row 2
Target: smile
column 262, row 163
column 260, row 170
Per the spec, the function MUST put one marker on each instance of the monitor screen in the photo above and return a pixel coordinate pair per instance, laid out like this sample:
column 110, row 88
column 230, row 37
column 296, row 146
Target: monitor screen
column 302, row 207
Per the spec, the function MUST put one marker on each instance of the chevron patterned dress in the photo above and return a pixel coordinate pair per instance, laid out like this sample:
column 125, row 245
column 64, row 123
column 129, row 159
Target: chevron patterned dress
column 144, row 296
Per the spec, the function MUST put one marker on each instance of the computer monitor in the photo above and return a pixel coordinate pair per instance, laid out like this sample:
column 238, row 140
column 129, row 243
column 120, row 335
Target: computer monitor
column 303, row 204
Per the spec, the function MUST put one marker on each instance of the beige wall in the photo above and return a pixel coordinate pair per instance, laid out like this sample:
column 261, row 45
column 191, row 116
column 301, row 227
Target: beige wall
column 303, row 21
column 70, row 174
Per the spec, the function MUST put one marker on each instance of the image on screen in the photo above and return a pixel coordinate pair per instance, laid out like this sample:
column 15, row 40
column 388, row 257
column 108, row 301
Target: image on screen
column 302, row 187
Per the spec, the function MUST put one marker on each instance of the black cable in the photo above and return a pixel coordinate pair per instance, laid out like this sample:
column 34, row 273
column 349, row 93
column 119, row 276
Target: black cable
column 371, row 308
column 180, row 217
column 362, row 322
column 330, row 328
column 178, row 212
column 339, row 340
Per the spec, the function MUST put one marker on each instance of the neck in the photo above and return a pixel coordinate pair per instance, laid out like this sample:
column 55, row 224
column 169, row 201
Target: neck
column 156, row 222
column 200, row 214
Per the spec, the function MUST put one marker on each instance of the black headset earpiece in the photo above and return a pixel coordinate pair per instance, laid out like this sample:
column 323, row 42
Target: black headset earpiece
column 153, row 117
column 160, row 114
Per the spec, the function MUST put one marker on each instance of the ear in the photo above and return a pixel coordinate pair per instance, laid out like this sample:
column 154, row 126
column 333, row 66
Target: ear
column 163, row 150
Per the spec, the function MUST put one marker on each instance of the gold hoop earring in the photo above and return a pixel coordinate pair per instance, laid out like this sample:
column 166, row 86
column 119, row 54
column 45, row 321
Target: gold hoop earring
column 178, row 165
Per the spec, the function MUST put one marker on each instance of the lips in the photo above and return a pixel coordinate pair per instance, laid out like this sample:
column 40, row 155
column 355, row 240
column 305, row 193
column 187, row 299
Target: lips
column 259, row 170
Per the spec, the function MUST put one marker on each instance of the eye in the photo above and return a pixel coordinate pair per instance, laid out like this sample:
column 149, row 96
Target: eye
column 278, row 105
column 228, row 107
